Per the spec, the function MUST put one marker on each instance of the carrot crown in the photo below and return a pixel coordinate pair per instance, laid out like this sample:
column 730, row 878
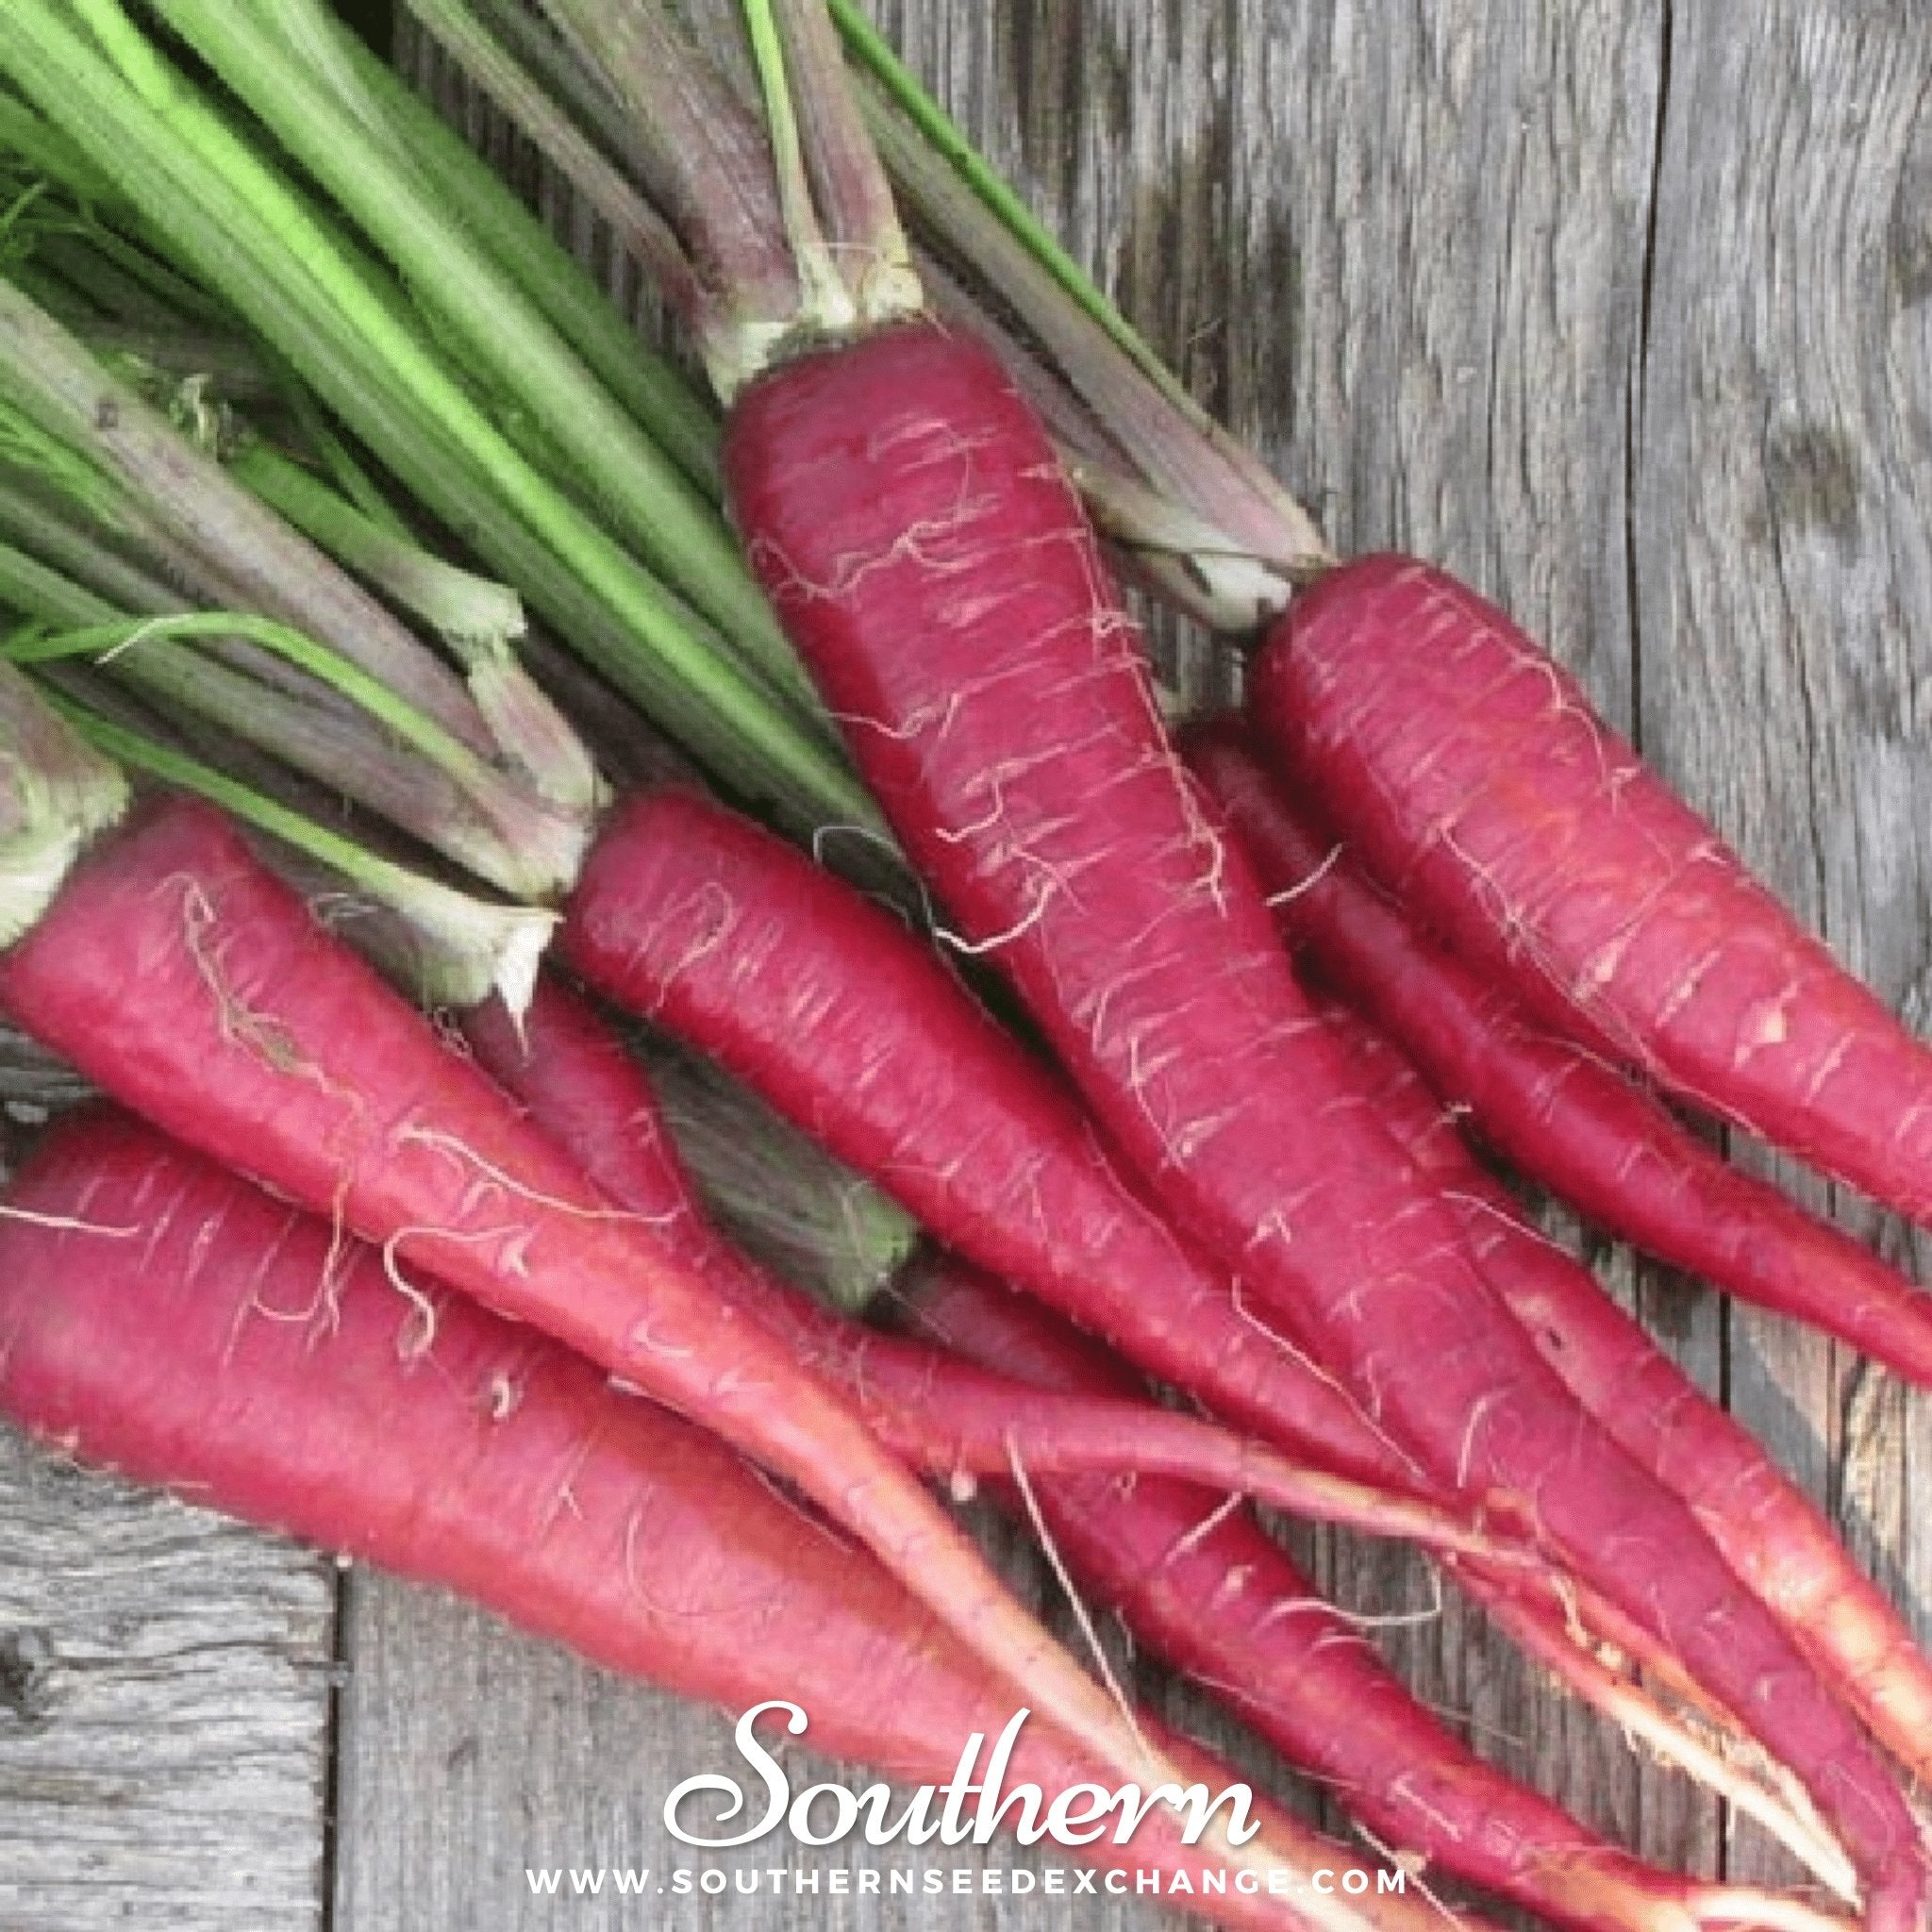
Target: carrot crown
column 57, row 795
column 743, row 177
column 758, row 180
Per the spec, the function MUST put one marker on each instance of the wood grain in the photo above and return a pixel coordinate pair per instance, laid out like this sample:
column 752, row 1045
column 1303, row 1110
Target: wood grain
column 472, row 1756
column 165, row 1683
column 1785, row 584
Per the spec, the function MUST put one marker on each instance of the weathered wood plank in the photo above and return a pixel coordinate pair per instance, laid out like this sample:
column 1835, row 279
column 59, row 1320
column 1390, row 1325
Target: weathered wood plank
column 1785, row 577
column 165, row 1684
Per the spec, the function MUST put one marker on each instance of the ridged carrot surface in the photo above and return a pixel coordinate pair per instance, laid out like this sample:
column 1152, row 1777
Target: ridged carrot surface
column 1470, row 773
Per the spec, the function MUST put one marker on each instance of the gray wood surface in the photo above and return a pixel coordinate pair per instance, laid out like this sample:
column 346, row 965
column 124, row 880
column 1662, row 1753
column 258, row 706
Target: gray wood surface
column 1784, row 581
column 1619, row 308
column 166, row 1688
column 164, row 1696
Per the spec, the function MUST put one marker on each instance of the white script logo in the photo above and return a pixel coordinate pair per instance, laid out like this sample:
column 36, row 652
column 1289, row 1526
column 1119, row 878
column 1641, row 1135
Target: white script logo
column 1076, row 1816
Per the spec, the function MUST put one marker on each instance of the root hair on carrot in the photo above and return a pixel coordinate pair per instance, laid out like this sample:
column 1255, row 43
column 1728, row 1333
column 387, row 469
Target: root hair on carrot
column 422, row 1308
column 1084, row 1617
column 465, row 1155
column 1382, row 1619
column 67, row 1224
column 1412, row 1865
column 993, row 942
column 258, row 1033
column 1289, row 895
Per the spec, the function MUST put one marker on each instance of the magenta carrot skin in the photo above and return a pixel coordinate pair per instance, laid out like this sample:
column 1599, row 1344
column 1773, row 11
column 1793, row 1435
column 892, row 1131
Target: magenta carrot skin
column 930, row 562
column 1200, row 1583
column 726, row 936
column 1560, row 1115
column 1469, row 771
column 187, row 982
column 582, row 1088
column 1765, row 1528
column 212, row 1341
column 840, row 1018
column 1583, row 1130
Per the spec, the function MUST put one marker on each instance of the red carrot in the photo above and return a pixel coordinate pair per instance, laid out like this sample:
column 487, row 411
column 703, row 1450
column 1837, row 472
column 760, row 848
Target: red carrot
column 1765, row 1526
column 813, row 934
column 729, row 936
column 161, row 1317
column 1562, row 1117
column 586, row 1093
column 188, row 983
column 840, row 1020
column 930, row 561
column 1468, row 772
column 1199, row 1582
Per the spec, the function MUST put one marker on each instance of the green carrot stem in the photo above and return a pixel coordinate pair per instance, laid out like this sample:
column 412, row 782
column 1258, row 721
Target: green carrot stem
column 827, row 308
column 873, row 52
column 706, row 163
column 320, row 439
column 629, row 751
column 248, row 233
column 1182, row 450
column 854, row 198
column 654, row 392
column 49, row 377
column 172, row 297
column 537, row 48
column 31, row 521
column 44, row 594
column 35, row 142
column 472, row 614
column 407, row 769
column 107, row 287
column 423, row 736
column 275, row 68
column 529, row 861
column 478, row 620
column 170, row 573
column 1190, row 563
